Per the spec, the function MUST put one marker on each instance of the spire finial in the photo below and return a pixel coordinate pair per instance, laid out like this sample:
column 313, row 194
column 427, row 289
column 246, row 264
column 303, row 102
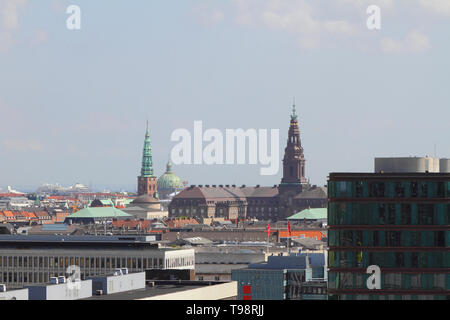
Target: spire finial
column 294, row 114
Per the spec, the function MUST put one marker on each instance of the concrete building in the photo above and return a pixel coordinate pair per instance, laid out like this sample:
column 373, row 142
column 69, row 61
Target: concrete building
column 284, row 278
column 177, row 290
column 398, row 221
column 121, row 281
column 61, row 291
column 20, row 294
column 43, row 257
column 146, row 207
column 412, row 164
column 217, row 263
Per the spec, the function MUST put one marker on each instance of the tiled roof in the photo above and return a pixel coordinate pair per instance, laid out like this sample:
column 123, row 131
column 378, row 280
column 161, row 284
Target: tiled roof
column 132, row 224
column 313, row 193
column 260, row 192
column 11, row 195
column 41, row 214
column 219, row 192
column 8, row 214
column 180, row 223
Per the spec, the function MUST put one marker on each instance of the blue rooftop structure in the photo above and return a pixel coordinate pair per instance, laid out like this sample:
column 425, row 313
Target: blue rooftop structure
column 54, row 227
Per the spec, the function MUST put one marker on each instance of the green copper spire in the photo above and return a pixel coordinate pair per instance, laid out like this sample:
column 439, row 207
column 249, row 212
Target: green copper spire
column 147, row 162
column 294, row 114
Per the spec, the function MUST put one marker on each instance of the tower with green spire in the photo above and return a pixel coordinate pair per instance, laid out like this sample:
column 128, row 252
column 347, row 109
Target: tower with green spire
column 147, row 161
column 147, row 182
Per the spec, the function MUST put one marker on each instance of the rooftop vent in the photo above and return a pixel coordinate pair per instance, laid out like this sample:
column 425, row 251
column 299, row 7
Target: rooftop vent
column 54, row 280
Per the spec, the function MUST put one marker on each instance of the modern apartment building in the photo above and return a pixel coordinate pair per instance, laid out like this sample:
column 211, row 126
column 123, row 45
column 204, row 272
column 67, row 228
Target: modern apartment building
column 397, row 221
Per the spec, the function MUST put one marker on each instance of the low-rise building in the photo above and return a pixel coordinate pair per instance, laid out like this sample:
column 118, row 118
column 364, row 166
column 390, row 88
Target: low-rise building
column 43, row 257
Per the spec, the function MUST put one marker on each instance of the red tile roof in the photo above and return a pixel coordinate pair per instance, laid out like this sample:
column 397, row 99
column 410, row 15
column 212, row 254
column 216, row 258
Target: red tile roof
column 180, row 223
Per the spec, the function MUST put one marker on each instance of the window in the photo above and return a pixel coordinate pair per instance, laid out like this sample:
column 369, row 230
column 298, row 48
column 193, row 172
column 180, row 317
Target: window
column 416, row 239
column 376, row 189
column 359, row 189
column 414, row 189
column 382, row 213
column 406, row 214
column 393, row 238
column 439, row 239
column 426, row 214
column 375, row 239
column 399, row 259
column 391, row 214
column 399, row 190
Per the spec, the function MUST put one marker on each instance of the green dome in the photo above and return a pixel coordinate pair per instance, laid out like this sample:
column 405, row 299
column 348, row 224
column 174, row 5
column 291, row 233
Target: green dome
column 169, row 180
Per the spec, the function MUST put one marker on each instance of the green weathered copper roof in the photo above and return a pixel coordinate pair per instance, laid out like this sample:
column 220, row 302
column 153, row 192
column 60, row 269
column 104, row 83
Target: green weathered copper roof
column 147, row 162
column 310, row 214
column 127, row 201
column 99, row 212
column 169, row 180
column 105, row 202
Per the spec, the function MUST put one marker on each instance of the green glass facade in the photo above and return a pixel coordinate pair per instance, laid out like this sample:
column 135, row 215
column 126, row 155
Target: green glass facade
column 399, row 222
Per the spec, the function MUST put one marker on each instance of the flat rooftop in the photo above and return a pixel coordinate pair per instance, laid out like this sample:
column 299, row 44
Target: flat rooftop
column 160, row 288
column 389, row 175
column 77, row 239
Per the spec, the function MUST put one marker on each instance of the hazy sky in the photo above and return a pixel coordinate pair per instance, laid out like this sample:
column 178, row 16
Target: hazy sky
column 74, row 104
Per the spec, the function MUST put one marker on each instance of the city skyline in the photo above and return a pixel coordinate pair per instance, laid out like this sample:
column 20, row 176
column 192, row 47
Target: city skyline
column 76, row 101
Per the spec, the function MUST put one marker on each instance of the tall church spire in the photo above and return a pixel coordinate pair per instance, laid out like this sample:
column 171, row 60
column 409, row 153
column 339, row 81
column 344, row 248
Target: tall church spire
column 147, row 181
column 147, row 161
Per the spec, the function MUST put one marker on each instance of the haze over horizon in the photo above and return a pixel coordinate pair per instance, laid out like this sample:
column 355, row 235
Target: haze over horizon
column 75, row 103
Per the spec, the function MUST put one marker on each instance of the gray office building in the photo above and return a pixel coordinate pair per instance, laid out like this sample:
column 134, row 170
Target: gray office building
column 33, row 260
